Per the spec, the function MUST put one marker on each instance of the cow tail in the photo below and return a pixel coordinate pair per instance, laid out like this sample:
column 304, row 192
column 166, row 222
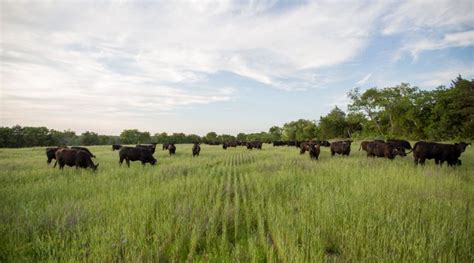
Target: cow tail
column 410, row 151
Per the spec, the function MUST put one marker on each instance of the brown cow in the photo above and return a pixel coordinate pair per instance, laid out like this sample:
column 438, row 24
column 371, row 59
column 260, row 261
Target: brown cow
column 341, row 147
column 51, row 153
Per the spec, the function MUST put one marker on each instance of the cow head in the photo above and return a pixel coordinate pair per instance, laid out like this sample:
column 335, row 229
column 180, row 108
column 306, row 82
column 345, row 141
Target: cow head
column 153, row 161
column 399, row 151
column 462, row 146
column 94, row 167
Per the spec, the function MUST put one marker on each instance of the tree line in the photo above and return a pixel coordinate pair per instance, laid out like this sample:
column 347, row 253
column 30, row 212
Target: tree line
column 403, row 111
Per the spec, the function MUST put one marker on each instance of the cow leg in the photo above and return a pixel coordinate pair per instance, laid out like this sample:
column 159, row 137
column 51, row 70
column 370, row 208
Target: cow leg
column 128, row 162
column 332, row 153
column 143, row 163
column 55, row 163
column 121, row 161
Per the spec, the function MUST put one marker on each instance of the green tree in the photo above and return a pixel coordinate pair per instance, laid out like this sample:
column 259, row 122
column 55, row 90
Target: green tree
column 275, row 133
column 89, row 138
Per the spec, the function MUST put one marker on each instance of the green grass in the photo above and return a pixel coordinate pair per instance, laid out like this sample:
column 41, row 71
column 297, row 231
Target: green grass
column 236, row 205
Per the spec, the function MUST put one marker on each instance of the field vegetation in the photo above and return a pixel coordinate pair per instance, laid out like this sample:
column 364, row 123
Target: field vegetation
column 236, row 205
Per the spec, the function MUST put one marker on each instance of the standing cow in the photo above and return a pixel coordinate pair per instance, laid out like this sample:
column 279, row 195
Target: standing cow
column 382, row 149
column 314, row 150
column 172, row 149
column 441, row 153
column 341, row 147
column 141, row 154
column 74, row 157
column 196, row 149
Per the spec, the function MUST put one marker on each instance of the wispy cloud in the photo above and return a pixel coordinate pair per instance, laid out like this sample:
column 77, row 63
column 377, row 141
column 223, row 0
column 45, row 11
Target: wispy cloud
column 459, row 39
column 364, row 79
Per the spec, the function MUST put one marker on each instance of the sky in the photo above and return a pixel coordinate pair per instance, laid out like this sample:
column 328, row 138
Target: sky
column 226, row 66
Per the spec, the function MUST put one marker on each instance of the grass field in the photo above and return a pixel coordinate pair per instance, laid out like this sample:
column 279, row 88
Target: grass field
column 236, row 205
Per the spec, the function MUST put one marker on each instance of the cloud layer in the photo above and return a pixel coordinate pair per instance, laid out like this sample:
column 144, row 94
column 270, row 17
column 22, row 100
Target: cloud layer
column 122, row 59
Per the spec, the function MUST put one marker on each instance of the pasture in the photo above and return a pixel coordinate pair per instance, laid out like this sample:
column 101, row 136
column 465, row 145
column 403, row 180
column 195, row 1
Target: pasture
column 236, row 205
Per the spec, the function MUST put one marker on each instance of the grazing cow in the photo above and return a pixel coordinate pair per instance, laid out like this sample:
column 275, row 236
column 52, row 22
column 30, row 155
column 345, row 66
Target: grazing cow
column 150, row 147
column 400, row 144
column 74, row 157
column 196, row 149
column 291, row 143
column 224, row 146
column 51, row 153
column 172, row 149
column 314, row 150
column 382, row 149
column 254, row 144
column 83, row 149
column 341, row 147
column 116, row 147
column 441, row 153
column 165, row 146
column 136, row 154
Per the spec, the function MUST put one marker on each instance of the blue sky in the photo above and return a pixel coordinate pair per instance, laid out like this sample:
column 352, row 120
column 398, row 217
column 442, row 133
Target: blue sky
column 224, row 66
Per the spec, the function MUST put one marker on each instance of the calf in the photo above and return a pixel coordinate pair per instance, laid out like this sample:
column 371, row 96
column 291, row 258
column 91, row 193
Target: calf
column 341, row 147
column 74, row 157
column 136, row 154
column 196, row 149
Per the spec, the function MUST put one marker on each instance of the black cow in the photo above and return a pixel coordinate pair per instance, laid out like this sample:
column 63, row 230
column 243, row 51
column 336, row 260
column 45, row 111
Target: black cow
column 314, row 150
column 279, row 143
column 382, row 149
column 254, row 144
column 400, row 144
column 172, row 149
column 116, row 147
column 441, row 153
column 150, row 147
column 141, row 154
column 83, row 149
column 165, row 146
column 224, row 146
column 196, row 149
column 51, row 153
column 341, row 147
column 74, row 157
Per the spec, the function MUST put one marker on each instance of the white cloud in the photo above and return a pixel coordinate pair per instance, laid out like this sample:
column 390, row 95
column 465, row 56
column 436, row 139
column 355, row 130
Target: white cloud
column 428, row 16
column 459, row 39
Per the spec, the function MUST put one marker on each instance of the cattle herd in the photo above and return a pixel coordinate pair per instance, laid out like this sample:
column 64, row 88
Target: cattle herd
column 81, row 157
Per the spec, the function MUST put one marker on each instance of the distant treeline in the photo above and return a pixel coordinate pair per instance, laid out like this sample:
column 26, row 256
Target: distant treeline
column 392, row 112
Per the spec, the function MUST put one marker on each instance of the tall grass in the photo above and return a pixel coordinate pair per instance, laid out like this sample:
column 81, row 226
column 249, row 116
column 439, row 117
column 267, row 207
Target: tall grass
column 236, row 205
